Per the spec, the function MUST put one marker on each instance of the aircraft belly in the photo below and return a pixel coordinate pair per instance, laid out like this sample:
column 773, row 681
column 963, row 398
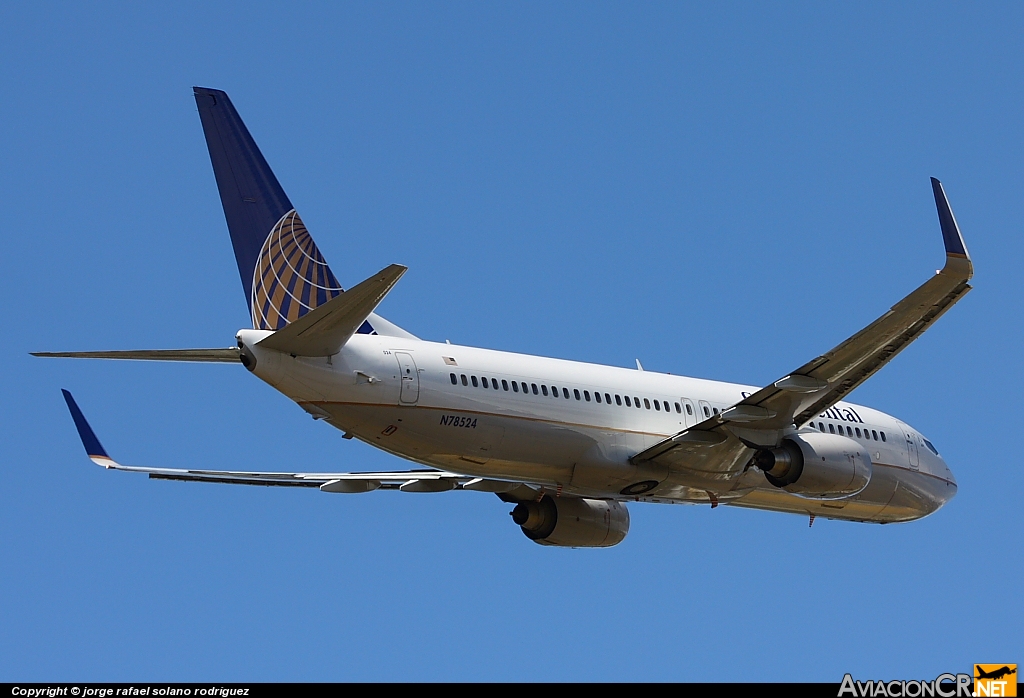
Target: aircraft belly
column 475, row 444
column 917, row 494
column 894, row 494
column 604, row 467
column 854, row 509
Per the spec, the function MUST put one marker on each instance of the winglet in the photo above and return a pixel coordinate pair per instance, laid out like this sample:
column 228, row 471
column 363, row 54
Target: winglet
column 93, row 448
column 951, row 236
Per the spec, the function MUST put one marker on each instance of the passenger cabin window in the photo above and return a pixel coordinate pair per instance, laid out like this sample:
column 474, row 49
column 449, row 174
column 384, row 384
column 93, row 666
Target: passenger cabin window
column 628, row 403
column 831, row 428
column 526, row 388
column 608, row 398
column 473, row 380
column 586, row 395
column 647, row 403
column 465, row 381
column 689, row 410
column 821, row 427
column 597, row 396
column 849, row 431
column 544, row 390
column 874, row 435
column 483, row 381
column 706, row 413
column 504, row 385
column 618, row 400
column 882, row 434
column 665, row 403
column 679, row 410
column 576, row 392
column 455, row 381
column 534, row 386
column 715, row 409
column 565, row 394
column 657, row 406
column 857, row 429
column 515, row 387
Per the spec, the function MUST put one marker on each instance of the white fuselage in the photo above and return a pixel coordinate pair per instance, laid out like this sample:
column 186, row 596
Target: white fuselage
column 425, row 401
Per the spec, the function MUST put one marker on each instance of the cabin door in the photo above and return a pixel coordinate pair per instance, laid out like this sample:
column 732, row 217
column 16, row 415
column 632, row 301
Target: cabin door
column 689, row 412
column 705, row 410
column 912, row 453
column 410, row 379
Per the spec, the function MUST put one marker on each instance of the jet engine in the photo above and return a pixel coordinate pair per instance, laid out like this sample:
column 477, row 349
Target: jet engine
column 573, row 522
column 817, row 466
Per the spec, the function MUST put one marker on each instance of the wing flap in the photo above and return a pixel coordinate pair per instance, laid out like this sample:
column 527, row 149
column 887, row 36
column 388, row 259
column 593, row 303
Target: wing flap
column 262, row 482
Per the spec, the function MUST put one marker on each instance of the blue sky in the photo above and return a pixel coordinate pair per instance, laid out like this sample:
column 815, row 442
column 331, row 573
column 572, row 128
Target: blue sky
column 722, row 191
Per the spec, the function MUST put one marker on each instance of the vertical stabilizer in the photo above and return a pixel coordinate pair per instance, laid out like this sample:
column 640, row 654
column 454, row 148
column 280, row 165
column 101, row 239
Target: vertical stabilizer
column 283, row 273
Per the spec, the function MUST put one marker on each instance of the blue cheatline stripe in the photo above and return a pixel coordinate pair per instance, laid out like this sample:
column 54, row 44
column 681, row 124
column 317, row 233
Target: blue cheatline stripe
column 89, row 440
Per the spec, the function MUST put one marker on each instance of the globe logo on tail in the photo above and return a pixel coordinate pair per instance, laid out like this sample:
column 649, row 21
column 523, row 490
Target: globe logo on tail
column 291, row 277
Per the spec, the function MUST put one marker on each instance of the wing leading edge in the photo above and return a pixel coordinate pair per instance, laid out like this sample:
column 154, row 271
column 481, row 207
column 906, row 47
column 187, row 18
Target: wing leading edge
column 797, row 397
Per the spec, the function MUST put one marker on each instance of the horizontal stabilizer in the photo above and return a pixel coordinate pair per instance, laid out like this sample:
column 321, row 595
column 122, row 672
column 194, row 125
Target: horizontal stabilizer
column 226, row 356
column 324, row 330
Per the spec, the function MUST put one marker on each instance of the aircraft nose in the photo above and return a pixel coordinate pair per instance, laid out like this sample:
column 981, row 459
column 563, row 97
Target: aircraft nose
column 949, row 488
column 949, row 473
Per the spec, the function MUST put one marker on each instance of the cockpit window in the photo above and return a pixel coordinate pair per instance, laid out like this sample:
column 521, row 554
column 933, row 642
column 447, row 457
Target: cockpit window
column 930, row 446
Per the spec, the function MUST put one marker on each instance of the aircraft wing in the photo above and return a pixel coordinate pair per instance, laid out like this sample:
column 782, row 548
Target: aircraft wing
column 406, row 481
column 760, row 419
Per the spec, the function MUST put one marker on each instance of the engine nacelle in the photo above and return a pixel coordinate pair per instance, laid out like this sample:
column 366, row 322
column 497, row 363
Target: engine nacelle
column 817, row 466
column 573, row 522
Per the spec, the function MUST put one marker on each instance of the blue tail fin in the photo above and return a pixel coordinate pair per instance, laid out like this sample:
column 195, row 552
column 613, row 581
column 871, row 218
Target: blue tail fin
column 283, row 273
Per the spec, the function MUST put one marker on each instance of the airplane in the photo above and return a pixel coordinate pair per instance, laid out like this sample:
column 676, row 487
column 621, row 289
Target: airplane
column 567, row 444
column 996, row 674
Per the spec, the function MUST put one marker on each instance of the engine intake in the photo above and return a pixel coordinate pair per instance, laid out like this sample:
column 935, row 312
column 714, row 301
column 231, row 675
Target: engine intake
column 573, row 522
column 817, row 466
